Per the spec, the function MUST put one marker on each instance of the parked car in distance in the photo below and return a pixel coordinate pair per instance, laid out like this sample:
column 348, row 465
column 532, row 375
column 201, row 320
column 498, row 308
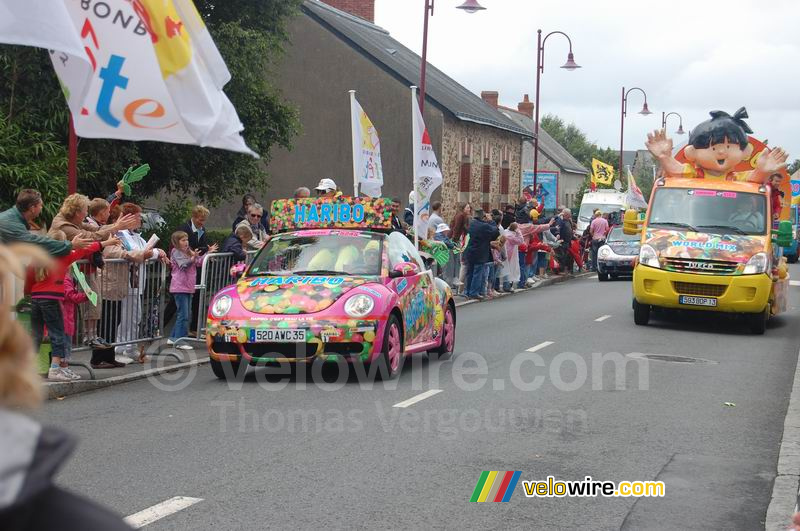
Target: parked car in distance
column 617, row 256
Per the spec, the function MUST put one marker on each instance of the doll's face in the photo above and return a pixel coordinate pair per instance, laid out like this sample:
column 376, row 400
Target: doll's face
column 719, row 158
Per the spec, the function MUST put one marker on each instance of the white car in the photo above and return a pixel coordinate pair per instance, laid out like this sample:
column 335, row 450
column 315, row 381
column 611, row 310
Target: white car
column 616, row 257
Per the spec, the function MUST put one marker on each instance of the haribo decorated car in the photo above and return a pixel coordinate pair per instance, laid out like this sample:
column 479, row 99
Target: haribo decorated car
column 332, row 283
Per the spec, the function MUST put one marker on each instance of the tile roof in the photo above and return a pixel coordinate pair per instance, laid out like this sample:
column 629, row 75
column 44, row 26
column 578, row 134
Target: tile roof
column 376, row 43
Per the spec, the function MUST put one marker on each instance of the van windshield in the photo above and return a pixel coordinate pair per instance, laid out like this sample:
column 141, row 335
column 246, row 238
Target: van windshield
column 710, row 211
column 587, row 210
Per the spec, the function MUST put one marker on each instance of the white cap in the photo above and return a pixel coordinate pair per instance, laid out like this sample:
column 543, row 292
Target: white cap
column 441, row 227
column 326, row 184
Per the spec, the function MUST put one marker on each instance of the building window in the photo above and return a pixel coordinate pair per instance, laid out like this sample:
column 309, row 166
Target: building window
column 464, row 175
column 486, row 177
column 504, row 178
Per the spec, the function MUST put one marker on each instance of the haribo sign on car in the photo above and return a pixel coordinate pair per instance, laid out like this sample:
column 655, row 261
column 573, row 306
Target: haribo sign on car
column 333, row 283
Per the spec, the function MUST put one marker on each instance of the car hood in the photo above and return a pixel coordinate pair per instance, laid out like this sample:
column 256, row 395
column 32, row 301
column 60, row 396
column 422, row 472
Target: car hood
column 700, row 245
column 294, row 294
column 624, row 248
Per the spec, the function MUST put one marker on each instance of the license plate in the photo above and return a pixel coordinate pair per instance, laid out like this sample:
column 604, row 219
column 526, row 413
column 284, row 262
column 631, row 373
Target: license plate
column 278, row 336
column 697, row 301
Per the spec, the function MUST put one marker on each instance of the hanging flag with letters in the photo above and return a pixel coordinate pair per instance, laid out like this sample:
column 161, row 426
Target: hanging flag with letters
column 142, row 70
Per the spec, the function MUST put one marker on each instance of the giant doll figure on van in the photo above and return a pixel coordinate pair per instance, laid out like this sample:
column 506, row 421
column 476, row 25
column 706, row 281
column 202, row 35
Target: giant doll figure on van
column 715, row 148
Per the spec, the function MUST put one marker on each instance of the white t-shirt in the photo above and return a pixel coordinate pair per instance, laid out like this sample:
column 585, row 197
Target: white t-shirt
column 434, row 221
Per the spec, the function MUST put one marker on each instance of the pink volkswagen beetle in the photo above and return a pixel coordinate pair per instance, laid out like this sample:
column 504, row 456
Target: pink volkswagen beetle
column 332, row 283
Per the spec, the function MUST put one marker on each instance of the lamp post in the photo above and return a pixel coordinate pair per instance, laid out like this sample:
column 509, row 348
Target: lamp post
column 664, row 117
column 645, row 111
column 569, row 65
column 469, row 6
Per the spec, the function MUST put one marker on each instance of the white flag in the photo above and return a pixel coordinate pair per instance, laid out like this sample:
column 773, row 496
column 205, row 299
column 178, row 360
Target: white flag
column 143, row 70
column 366, row 151
column 427, row 175
column 634, row 197
column 46, row 24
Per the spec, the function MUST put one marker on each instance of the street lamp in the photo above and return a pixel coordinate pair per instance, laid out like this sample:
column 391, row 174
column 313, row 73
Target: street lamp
column 569, row 65
column 664, row 117
column 469, row 6
column 645, row 111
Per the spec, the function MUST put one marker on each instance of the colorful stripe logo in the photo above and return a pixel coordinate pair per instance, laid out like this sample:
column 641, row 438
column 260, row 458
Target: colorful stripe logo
column 494, row 486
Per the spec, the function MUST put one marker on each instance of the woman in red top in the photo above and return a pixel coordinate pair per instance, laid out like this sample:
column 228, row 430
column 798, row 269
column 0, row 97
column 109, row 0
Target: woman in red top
column 47, row 294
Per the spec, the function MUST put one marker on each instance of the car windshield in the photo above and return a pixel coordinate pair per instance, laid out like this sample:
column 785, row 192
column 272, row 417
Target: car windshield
column 710, row 211
column 587, row 210
column 335, row 253
column 617, row 235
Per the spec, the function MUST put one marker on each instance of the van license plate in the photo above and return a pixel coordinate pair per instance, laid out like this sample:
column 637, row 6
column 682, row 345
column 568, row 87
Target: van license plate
column 697, row 301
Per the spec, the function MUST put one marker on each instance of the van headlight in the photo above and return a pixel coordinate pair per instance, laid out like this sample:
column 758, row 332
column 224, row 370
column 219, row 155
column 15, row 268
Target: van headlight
column 359, row 305
column 221, row 306
column 648, row 256
column 758, row 263
column 604, row 252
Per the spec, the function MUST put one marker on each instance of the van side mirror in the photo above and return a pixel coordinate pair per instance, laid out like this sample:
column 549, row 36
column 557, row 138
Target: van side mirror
column 631, row 223
column 783, row 236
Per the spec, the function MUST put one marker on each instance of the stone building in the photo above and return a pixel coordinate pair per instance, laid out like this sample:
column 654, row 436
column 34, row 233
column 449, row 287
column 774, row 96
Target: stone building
column 553, row 157
column 330, row 52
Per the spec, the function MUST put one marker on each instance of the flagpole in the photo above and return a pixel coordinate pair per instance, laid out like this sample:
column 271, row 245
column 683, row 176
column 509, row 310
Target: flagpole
column 355, row 144
column 415, row 145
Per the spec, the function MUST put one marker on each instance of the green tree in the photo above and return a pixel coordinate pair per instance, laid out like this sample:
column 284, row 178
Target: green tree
column 576, row 142
column 249, row 35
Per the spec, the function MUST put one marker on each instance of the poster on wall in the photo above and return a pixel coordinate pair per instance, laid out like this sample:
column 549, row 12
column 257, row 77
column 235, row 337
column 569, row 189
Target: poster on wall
column 547, row 187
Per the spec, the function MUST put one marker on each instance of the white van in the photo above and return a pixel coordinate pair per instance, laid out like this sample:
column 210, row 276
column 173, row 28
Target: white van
column 610, row 201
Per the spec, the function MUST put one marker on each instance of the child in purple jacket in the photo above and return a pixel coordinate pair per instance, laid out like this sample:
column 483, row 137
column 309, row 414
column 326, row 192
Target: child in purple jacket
column 185, row 262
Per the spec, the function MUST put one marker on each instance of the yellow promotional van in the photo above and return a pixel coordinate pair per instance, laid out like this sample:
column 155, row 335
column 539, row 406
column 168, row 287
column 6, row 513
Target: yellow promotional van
column 708, row 245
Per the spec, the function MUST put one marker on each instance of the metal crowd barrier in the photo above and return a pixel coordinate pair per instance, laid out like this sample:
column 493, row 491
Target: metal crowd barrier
column 214, row 275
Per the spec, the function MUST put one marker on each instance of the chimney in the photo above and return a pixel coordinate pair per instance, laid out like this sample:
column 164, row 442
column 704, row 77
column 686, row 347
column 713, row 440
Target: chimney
column 361, row 8
column 526, row 107
column 490, row 97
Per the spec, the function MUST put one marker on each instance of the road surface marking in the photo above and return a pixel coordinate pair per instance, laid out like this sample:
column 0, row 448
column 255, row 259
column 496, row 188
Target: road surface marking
column 420, row 397
column 602, row 318
column 794, row 282
column 539, row 346
column 160, row 510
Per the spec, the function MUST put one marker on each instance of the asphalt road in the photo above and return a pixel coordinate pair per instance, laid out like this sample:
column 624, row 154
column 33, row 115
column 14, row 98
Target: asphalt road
column 279, row 452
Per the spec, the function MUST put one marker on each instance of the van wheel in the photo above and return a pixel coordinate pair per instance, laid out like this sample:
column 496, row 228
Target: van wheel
column 641, row 313
column 792, row 259
column 602, row 277
column 758, row 322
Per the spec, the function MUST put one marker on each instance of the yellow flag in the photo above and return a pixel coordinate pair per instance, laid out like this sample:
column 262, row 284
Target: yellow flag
column 602, row 173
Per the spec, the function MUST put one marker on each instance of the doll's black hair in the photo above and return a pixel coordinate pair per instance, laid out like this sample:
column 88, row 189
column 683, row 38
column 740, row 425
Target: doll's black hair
column 721, row 126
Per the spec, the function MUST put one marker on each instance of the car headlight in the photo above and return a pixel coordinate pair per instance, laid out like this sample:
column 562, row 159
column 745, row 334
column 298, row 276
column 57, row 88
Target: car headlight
column 648, row 256
column 604, row 252
column 359, row 305
column 758, row 263
column 221, row 306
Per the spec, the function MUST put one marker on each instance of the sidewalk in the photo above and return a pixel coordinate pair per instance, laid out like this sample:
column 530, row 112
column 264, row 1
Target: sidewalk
column 162, row 359
column 161, row 362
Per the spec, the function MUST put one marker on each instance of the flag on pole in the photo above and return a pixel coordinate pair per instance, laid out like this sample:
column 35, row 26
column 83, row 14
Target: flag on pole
column 427, row 174
column 367, row 167
column 133, row 70
column 634, row 197
column 602, row 173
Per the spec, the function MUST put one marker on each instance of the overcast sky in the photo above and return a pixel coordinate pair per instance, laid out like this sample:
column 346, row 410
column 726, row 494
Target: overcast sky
column 690, row 57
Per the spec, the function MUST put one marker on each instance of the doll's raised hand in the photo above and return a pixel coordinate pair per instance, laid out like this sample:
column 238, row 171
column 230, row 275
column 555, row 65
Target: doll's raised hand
column 772, row 161
column 659, row 144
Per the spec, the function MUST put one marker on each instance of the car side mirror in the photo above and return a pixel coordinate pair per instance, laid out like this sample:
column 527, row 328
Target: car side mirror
column 404, row 269
column 631, row 223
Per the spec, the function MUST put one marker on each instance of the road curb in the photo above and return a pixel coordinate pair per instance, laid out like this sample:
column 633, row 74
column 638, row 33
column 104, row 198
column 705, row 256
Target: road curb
column 546, row 282
column 783, row 503
column 56, row 390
